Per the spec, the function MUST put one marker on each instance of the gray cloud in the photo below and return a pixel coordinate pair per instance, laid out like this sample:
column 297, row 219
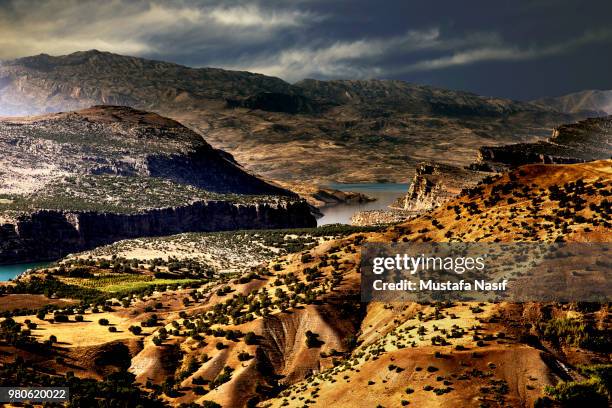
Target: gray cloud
column 336, row 39
column 136, row 27
column 504, row 52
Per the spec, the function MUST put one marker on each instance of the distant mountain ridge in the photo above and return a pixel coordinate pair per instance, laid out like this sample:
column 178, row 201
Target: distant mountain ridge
column 590, row 100
column 45, row 83
column 407, row 97
column 312, row 131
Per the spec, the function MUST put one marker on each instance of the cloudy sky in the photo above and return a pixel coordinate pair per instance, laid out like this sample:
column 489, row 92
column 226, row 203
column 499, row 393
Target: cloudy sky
column 518, row 49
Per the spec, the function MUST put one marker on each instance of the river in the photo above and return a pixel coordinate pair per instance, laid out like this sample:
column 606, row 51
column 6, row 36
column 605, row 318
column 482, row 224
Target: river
column 385, row 194
column 10, row 271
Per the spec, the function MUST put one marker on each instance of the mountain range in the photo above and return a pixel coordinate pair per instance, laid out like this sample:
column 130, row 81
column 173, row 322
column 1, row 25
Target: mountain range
column 289, row 132
column 593, row 100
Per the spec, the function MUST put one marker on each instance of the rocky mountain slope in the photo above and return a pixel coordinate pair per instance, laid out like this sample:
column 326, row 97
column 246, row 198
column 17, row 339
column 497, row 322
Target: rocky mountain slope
column 379, row 128
column 121, row 141
column 45, row 83
column 70, row 181
column 592, row 100
column 293, row 332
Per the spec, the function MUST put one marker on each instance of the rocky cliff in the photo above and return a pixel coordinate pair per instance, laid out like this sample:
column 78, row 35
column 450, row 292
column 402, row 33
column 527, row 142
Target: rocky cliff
column 51, row 234
column 587, row 140
column 71, row 181
column 434, row 184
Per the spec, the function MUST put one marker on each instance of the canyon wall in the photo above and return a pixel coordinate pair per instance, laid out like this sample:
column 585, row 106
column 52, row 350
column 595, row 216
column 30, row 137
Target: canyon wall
column 51, row 234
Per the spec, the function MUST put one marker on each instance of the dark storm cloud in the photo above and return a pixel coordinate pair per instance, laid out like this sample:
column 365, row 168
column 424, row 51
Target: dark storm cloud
column 516, row 49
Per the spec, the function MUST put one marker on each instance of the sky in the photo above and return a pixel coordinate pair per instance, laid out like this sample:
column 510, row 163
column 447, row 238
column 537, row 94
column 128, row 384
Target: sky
column 514, row 49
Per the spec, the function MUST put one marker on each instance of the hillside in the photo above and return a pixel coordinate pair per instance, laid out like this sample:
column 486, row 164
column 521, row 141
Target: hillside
column 293, row 332
column 120, row 141
column 269, row 125
column 45, row 83
column 71, row 181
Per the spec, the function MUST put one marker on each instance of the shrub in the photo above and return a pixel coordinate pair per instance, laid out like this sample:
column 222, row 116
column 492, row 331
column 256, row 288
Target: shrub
column 199, row 390
column 222, row 378
column 250, row 338
column 244, row 356
column 103, row 322
column 210, row 404
column 312, row 340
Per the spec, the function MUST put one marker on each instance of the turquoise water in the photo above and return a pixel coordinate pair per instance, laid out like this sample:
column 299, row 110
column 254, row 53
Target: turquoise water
column 10, row 271
column 385, row 194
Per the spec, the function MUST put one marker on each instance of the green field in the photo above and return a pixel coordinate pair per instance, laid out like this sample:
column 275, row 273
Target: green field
column 123, row 282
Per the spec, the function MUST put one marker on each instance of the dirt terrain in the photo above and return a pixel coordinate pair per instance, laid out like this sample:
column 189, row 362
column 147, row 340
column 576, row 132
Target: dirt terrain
column 293, row 331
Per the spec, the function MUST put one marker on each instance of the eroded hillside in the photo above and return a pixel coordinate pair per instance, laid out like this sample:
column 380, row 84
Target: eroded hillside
column 293, row 331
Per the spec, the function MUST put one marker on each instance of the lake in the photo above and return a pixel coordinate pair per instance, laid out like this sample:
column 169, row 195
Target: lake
column 385, row 194
column 10, row 271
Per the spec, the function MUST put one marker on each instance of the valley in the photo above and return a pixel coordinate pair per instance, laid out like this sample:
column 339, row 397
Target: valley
column 176, row 210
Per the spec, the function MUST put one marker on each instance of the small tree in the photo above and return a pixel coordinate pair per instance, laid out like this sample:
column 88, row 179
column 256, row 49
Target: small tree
column 250, row 338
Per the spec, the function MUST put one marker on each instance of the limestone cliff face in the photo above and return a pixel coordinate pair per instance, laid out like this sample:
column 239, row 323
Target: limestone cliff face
column 518, row 155
column 587, row 140
column 427, row 191
column 49, row 234
column 434, row 184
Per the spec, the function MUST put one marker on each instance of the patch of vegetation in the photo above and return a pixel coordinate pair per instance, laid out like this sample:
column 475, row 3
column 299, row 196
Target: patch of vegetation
column 576, row 332
column 576, row 394
column 119, row 194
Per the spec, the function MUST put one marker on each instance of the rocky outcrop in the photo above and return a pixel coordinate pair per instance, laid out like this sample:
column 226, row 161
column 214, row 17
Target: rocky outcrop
column 586, row 140
column 519, row 154
column 380, row 217
column 48, row 234
column 115, row 140
column 434, row 184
